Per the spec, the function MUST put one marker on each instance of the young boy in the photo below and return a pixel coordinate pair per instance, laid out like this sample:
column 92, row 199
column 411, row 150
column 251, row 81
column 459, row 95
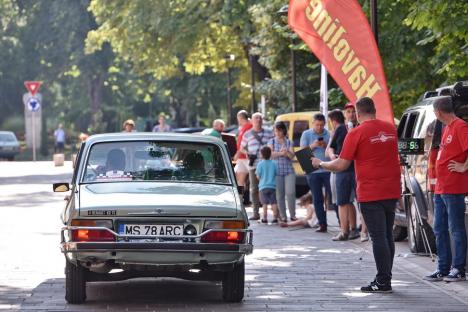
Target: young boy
column 266, row 174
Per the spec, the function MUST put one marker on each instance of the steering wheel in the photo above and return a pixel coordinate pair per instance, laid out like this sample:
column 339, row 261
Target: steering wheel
column 91, row 173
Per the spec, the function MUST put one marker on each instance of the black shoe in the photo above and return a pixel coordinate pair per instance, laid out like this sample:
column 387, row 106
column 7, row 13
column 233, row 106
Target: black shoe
column 254, row 218
column 293, row 219
column 437, row 276
column 265, row 221
column 274, row 221
column 354, row 233
column 375, row 287
column 321, row 229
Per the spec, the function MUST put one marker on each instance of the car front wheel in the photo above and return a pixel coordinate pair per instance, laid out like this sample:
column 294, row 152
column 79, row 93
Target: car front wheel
column 75, row 283
column 233, row 283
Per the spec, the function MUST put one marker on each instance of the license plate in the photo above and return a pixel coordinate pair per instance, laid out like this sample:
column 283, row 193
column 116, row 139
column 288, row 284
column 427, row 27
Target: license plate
column 151, row 229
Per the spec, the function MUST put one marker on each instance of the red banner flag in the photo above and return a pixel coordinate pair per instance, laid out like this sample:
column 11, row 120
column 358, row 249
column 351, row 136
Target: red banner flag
column 338, row 33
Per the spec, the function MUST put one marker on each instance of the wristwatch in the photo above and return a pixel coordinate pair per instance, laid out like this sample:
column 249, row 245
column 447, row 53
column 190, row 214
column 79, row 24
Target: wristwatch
column 320, row 165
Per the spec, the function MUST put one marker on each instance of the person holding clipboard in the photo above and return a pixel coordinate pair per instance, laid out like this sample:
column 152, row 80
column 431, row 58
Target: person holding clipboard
column 314, row 141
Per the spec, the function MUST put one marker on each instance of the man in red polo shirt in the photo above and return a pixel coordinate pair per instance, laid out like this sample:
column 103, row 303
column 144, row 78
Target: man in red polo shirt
column 450, row 192
column 373, row 146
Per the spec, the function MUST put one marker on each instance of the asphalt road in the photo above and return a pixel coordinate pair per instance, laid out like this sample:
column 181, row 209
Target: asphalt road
column 294, row 270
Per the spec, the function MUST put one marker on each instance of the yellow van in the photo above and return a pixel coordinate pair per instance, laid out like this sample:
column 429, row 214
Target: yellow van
column 297, row 123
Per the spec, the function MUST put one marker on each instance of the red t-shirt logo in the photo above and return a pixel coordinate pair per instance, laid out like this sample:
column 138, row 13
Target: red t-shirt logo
column 448, row 140
column 382, row 137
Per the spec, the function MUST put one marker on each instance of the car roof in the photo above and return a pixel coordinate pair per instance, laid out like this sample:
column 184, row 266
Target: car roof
column 142, row 136
column 422, row 104
column 9, row 132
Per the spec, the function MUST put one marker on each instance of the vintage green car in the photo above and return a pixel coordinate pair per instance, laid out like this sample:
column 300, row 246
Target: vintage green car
column 154, row 205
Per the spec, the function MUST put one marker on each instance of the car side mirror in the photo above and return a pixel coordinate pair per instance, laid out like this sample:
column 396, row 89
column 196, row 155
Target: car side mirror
column 61, row 187
column 240, row 189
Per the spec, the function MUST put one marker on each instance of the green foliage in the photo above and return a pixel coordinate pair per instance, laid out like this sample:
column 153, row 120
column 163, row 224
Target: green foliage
column 104, row 61
column 444, row 26
column 13, row 123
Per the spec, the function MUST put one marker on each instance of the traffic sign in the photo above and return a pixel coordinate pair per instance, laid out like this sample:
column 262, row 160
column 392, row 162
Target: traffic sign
column 34, row 104
column 32, row 86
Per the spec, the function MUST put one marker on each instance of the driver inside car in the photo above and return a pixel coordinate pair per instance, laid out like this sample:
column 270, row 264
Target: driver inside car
column 115, row 163
column 194, row 164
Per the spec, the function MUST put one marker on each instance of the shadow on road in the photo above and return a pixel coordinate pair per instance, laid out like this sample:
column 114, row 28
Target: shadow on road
column 36, row 179
column 136, row 294
column 33, row 199
column 14, row 296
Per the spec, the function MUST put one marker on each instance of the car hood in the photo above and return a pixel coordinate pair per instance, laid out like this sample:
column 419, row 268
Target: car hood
column 157, row 199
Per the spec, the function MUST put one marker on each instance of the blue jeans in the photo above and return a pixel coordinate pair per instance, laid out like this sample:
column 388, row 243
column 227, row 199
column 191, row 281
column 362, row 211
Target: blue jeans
column 316, row 182
column 449, row 214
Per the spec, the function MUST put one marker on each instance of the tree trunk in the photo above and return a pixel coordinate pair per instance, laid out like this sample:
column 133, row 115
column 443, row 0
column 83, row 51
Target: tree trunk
column 95, row 90
column 95, row 94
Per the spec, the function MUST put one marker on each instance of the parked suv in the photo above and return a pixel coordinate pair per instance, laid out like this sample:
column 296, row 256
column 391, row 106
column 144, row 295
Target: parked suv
column 419, row 122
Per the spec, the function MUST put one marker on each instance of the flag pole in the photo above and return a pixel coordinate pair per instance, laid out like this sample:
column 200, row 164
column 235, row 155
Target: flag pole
column 324, row 94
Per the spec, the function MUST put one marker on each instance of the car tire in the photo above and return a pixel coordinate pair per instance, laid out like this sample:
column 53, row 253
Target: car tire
column 415, row 237
column 233, row 283
column 75, row 283
column 399, row 233
column 11, row 158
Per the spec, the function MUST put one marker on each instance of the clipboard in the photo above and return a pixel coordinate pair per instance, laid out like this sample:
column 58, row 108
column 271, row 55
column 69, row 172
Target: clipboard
column 303, row 157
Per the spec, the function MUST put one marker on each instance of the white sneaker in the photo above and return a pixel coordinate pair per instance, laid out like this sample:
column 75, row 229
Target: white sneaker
column 364, row 237
column 455, row 275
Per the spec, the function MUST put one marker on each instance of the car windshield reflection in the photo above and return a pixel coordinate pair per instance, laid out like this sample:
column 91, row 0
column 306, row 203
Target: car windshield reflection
column 155, row 161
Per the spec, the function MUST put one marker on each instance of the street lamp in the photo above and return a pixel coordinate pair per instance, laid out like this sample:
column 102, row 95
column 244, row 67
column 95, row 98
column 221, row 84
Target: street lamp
column 284, row 12
column 252, row 83
column 229, row 59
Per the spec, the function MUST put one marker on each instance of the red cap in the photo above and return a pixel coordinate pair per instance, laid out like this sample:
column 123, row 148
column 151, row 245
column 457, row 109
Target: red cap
column 348, row 105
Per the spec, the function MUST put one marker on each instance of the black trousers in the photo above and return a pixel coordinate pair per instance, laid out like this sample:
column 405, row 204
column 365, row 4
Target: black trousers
column 379, row 216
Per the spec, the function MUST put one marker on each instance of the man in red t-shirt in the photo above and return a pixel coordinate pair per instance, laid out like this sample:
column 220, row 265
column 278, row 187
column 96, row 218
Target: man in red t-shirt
column 449, row 199
column 242, row 163
column 373, row 146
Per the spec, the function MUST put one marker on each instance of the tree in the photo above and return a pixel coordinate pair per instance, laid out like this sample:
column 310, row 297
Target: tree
column 444, row 28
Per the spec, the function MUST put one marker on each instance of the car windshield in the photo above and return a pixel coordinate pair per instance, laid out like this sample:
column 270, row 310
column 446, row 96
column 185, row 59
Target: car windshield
column 155, row 161
column 7, row 137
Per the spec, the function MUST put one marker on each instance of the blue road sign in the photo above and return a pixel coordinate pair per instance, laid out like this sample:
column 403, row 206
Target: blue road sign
column 34, row 104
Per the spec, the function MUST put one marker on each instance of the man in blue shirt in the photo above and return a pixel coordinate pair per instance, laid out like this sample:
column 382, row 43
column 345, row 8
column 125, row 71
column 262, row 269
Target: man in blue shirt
column 317, row 139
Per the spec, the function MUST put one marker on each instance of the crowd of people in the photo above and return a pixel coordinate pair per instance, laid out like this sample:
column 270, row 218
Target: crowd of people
column 355, row 161
column 264, row 162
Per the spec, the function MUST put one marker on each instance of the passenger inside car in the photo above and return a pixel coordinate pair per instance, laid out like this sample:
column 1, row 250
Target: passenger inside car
column 115, row 160
column 194, row 164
